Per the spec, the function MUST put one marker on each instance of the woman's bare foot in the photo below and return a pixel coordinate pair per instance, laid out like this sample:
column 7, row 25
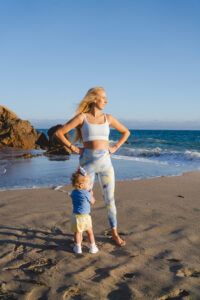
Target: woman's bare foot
column 118, row 241
column 116, row 238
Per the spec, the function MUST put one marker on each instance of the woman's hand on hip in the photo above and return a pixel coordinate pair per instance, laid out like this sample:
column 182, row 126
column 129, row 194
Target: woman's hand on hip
column 112, row 149
column 76, row 150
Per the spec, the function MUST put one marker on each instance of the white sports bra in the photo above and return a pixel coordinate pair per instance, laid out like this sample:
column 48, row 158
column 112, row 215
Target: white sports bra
column 91, row 132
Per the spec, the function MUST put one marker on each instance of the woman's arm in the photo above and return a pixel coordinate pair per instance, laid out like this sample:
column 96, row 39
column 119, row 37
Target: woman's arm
column 121, row 128
column 60, row 133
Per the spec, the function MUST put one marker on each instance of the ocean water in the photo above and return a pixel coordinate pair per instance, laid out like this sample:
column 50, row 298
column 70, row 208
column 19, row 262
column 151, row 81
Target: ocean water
column 148, row 153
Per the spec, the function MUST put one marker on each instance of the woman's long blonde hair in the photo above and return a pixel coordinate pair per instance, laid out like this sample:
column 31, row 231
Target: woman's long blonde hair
column 85, row 106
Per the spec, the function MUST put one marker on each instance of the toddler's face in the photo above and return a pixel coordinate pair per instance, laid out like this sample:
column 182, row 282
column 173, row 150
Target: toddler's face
column 86, row 185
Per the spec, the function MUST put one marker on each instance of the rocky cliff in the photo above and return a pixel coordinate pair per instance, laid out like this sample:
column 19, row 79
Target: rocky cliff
column 18, row 133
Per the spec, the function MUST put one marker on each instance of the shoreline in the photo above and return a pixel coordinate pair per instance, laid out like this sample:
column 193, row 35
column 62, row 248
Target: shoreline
column 55, row 187
column 148, row 155
column 158, row 217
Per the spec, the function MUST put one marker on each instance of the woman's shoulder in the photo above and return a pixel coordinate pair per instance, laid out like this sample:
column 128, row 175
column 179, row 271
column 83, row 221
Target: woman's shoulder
column 109, row 118
column 112, row 121
column 79, row 118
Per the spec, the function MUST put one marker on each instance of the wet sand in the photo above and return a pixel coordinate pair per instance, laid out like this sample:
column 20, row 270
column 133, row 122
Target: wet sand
column 159, row 219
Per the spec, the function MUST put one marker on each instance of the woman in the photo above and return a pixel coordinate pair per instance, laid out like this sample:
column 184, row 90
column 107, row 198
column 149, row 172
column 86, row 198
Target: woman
column 92, row 128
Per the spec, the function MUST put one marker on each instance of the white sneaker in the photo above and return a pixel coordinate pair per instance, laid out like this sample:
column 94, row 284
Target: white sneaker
column 93, row 248
column 77, row 248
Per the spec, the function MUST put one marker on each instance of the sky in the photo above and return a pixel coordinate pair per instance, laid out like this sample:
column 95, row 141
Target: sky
column 145, row 53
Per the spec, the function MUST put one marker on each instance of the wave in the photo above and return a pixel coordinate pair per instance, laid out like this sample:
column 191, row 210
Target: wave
column 192, row 155
column 158, row 154
column 138, row 159
column 2, row 171
column 3, row 167
column 149, row 140
column 23, row 187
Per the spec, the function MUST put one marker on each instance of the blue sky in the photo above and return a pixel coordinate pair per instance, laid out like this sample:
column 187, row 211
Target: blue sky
column 145, row 53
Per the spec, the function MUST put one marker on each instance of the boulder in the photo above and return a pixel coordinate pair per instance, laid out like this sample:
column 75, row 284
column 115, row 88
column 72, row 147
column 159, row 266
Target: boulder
column 18, row 133
column 42, row 141
column 55, row 146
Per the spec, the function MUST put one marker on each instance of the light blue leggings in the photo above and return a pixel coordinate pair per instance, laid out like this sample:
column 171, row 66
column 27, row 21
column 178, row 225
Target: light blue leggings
column 99, row 162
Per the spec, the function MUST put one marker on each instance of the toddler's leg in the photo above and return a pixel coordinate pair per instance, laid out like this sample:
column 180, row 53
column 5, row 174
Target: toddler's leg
column 78, row 237
column 78, row 240
column 90, row 235
column 93, row 247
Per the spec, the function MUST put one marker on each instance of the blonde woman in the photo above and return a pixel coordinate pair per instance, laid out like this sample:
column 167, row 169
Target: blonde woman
column 92, row 128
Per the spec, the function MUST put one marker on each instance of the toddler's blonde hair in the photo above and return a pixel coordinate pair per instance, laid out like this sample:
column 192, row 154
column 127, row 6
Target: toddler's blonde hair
column 77, row 179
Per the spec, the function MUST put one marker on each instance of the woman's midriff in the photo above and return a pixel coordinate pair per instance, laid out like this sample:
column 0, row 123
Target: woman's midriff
column 96, row 145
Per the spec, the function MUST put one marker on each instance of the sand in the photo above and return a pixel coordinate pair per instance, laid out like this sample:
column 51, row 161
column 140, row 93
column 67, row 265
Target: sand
column 159, row 219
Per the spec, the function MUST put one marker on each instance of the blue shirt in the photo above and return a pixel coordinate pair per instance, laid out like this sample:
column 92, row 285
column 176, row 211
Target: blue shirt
column 81, row 202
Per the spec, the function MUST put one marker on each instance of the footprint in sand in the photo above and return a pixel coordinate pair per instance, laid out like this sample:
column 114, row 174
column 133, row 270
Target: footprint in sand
column 38, row 293
column 122, row 252
column 180, row 196
column 19, row 249
column 6, row 257
column 4, row 293
column 186, row 272
column 162, row 254
column 131, row 275
column 37, row 267
column 122, row 292
column 178, row 269
column 107, row 233
column 101, row 274
column 56, row 230
column 71, row 292
column 174, row 260
column 175, row 295
column 175, row 265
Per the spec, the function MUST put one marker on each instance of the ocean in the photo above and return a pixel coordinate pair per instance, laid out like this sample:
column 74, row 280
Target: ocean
column 148, row 153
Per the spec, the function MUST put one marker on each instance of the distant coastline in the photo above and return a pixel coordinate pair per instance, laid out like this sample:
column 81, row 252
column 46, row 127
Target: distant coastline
column 137, row 124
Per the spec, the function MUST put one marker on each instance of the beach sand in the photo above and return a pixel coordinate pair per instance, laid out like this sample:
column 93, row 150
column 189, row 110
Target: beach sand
column 159, row 219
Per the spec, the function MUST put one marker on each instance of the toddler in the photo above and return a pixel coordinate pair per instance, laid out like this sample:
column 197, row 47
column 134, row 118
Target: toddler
column 81, row 219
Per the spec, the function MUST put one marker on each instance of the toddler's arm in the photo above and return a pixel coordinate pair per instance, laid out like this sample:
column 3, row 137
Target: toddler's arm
column 92, row 201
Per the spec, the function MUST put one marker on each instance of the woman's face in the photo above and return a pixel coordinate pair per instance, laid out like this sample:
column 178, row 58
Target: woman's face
column 101, row 100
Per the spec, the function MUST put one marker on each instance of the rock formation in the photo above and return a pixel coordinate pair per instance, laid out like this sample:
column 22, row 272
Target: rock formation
column 18, row 133
column 55, row 146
